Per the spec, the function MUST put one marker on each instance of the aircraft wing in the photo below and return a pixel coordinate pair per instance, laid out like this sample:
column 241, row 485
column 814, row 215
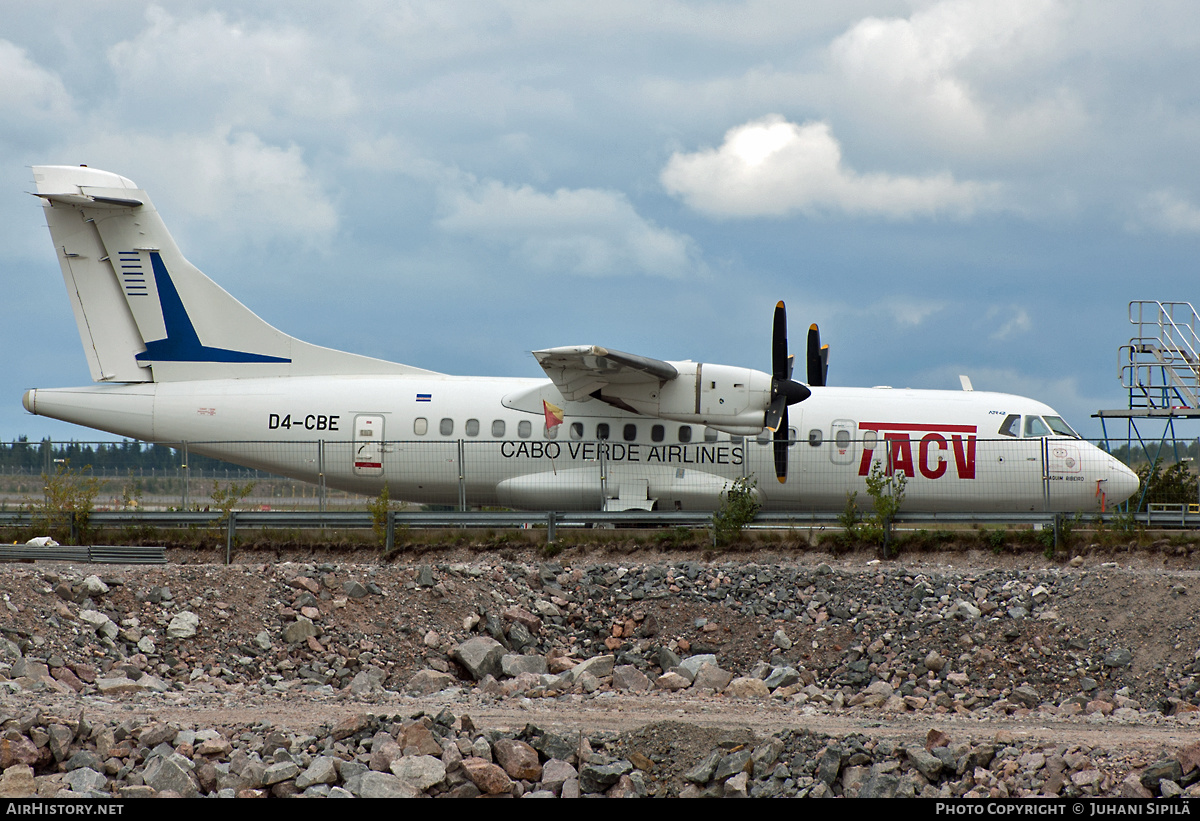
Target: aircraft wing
column 578, row 371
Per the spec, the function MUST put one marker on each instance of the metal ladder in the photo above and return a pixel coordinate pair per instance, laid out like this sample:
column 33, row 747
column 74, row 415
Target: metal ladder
column 1160, row 367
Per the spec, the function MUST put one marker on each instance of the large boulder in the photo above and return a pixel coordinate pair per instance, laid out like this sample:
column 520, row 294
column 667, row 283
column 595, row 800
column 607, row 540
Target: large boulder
column 480, row 657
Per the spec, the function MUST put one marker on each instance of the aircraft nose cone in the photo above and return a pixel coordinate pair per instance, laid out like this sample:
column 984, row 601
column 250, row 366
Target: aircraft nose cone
column 1122, row 483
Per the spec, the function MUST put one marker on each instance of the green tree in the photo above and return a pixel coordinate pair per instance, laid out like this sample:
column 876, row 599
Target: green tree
column 739, row 505
column 887, row 494
column 68, row 497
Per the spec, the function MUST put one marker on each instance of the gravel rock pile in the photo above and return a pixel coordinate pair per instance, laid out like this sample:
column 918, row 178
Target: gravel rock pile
column 802, row 764
column 370, row 756
column 1094, row 644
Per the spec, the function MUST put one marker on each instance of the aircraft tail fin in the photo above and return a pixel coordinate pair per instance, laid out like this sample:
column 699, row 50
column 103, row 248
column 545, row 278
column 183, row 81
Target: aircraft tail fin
column 147, row 314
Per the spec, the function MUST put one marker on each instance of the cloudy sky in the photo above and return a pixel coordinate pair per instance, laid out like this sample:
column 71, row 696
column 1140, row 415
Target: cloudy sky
column 950, row 187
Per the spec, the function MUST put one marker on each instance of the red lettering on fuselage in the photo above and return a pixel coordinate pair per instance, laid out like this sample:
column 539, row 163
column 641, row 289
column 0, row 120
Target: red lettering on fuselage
column 930, row 461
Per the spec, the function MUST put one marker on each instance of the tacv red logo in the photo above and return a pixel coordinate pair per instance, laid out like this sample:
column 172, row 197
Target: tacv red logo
column 932, row 446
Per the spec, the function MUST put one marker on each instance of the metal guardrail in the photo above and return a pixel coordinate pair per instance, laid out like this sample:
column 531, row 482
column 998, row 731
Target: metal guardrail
column 90, row 554
column 1184, row 516
column 486, row 518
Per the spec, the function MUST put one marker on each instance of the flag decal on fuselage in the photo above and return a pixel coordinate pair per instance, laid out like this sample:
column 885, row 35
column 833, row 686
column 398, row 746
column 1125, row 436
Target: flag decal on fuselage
column 554, row 414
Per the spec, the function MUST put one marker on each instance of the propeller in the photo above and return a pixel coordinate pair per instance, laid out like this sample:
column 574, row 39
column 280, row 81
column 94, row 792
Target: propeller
column 784, row 390
column 818, row 358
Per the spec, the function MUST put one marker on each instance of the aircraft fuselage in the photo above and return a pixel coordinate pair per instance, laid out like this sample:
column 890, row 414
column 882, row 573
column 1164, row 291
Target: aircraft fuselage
column 420, row 434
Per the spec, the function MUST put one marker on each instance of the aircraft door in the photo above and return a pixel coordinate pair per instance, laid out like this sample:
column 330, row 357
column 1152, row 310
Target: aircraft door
column 368, row 445
column 1063, row 472
column 1062, row 459
column 843, row 446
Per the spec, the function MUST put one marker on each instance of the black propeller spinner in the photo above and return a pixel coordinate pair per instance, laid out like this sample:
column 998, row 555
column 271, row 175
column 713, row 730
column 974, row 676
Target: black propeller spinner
column 785, row 390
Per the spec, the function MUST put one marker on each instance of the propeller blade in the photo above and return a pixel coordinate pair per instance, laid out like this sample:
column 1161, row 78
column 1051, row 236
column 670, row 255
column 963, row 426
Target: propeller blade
column 781, row 447
column 824, row 365
column 816, row 373
column 779, row 345
column 785, row 390
column 775, row 412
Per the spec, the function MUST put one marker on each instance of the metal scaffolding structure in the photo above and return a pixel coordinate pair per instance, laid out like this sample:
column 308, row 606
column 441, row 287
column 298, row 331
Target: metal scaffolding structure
column 1159, row 370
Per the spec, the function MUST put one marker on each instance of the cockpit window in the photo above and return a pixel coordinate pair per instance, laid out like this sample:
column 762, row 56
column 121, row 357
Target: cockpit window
column 1060, row 427
column 1011, row 425
column 1035, row 427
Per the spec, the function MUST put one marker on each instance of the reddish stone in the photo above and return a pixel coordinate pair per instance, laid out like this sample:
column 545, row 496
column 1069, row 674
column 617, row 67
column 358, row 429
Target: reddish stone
column 523, row 616
column 936, row 738
column 18, row 751
column 518, row 759
column 64, row 675
column 351, row 725
column 418, row 735
column 1189, row 757
column 86, row 672
column 488, row 777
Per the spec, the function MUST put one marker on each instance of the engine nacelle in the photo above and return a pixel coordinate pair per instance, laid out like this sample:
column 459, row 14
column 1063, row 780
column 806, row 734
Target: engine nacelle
column 724, row 397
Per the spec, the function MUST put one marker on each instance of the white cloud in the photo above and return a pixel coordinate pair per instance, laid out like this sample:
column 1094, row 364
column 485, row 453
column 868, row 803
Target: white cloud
column 29, row 92
column 240, row 74
column 585, row 231
column 946, row 75
column 771, row 167
column 249, row 192
column 909, row 313
column 1013, row 320
column 1168, row 212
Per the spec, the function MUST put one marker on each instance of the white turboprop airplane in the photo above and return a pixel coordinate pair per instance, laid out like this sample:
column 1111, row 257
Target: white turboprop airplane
column 177, row 359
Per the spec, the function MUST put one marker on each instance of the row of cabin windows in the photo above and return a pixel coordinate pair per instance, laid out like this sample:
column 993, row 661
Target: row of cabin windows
column 603, row 431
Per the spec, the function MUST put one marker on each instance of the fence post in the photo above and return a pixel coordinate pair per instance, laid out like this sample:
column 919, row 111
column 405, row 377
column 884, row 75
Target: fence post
column 230, row 532
column 321, row 474
column 462, row 478
column 550, row 534
column 389, row 542
column 603, row 453
column 1046, row 483
column 184, row 501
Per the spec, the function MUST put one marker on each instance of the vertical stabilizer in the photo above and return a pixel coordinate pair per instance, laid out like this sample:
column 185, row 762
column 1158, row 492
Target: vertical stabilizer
column 147, row 314
column 106, row 325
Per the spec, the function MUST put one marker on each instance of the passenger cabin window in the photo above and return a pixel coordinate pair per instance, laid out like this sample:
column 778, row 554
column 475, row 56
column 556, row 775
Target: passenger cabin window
column 816, row 437
column 1035, row 427
column 446, row 428
column 498, row 429
column 472, row 427
column 576, row 430
column 524, row 428
column 764, row 438
column 685, row 433
column 629, row 433
column 737, row 440
column 420, row 426
column 602, row 431
column 710, row 434
column 842, row 438
column 658, row 433
column 1011, row 426
column 551, row 433
column 870, row 439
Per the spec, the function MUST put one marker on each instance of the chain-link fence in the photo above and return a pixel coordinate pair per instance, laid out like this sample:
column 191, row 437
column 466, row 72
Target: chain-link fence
column 932, row 470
